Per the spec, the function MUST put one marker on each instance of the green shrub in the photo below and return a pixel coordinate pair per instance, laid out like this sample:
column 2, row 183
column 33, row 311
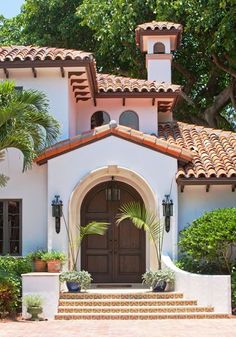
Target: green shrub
column 11, row 269
column 233, row 285
column 207, row 245
column 15, row 265
column 9, row 295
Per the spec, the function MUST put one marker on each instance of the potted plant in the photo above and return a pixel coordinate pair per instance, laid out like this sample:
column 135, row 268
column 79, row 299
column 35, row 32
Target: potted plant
column 39, row 265
column 54, row 260
column 76, row 280
column 33, row 305
column 160, row 280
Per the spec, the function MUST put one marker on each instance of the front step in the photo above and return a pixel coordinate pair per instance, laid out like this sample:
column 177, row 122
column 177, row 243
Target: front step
column 138, row 295
column 144, row 305
column 126, row 302
column 125, row 316
column 133, row 309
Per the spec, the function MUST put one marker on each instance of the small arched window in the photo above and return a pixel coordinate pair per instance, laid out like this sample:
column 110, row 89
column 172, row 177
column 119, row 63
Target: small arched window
column 99, row 118
column 130, row 119
column 159, row 48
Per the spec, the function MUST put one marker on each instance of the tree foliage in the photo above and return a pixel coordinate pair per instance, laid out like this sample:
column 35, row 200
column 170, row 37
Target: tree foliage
column 208, row 244
column 25, row 123
column 205, row 64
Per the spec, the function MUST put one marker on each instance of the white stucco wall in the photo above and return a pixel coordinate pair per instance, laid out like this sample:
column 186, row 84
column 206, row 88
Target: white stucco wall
column 148, row 117
column 31, row 188
column 66, row 171
column 194, row 201
column 50, row 82
column 159, row 70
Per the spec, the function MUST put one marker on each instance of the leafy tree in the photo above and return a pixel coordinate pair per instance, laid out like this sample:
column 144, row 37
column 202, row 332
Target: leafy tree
column 52, row 23
column 25, row 123
column 205, row 64
column 208, row 244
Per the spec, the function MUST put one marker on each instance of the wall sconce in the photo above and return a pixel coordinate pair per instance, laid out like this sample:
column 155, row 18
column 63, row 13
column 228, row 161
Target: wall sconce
column 167, row 205
column 112, row 191
column 57, row 205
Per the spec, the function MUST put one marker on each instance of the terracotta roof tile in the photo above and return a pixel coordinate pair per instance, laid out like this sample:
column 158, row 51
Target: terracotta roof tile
column 121, row 131
column 214, row 151
column 160, row 25
column 111, row 83
column 31, row 53
column 157, row 27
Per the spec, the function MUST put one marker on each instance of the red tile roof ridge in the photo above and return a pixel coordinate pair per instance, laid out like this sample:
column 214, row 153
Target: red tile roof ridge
column 121, row 131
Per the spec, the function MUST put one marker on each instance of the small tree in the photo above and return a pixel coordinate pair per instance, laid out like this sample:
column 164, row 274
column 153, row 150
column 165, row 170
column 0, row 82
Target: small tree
column 147, row 220
column 209, row 242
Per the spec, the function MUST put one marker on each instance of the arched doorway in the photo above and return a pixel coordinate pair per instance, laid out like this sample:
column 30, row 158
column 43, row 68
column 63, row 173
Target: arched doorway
column 119, row 255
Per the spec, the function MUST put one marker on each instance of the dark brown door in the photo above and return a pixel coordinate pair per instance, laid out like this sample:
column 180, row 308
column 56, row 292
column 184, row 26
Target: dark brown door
column 119, row 255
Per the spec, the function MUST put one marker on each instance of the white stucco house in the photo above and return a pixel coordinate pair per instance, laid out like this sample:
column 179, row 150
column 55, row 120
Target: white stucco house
column 118, row 134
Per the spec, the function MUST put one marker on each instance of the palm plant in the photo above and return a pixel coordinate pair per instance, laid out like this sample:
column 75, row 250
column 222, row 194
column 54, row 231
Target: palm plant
column 92, row 228
column 25, row 123
column 144, row 219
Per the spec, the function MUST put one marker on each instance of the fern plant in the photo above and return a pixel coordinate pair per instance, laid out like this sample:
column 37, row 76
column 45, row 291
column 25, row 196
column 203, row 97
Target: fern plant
column 144, row 219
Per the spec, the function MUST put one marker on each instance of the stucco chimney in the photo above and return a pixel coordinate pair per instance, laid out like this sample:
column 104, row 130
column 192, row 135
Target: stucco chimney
column 158, row 40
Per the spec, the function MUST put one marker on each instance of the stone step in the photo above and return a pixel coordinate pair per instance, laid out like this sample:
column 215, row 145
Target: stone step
column 138, row 316
column 125, row 302
column 133, row 309
column 139, row 295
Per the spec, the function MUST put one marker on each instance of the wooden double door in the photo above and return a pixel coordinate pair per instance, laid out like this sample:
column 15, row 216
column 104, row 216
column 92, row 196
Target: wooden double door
column 119, row 255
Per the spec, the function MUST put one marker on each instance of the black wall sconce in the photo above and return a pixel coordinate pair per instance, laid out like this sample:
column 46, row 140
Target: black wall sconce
column 167, row 205
column 112, row 190
column 57, row 205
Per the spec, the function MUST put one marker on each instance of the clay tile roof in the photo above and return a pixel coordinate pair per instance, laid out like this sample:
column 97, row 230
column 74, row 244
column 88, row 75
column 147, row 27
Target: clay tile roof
column 160, row 25
column 213, row 151
column 31, row 53
column 126, row 133
column 112, row 83
column 157, row 27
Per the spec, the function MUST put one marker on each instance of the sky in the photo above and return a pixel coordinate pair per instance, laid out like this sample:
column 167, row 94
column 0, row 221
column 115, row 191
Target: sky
column 10, row 8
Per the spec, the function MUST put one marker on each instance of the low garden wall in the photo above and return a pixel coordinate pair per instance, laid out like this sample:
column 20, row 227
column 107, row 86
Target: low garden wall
column 47, row 285
column 208, row 290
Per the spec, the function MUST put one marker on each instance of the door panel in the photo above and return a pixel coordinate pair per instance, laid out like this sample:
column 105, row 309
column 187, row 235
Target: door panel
column 119, row 255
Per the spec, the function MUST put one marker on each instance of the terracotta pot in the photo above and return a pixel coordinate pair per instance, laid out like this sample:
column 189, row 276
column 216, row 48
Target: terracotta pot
column 54, row 266
column 39, row 265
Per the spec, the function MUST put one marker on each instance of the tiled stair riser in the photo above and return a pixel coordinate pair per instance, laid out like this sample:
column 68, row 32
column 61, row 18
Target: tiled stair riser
column 133, row 309
column 131, row 306
column 113, row 303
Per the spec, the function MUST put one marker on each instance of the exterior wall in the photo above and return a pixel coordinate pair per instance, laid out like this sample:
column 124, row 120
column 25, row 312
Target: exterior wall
column 159, row 70
column 194, row 201
column 31, row 187
column 208, row 290
column 143, row 107
column 151, row 40
column 47, row 286
column 50, row 82
column 66, row 171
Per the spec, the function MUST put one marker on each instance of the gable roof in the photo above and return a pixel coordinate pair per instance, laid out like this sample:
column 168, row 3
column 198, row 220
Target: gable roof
column 120, row 131
column 204, row 154
column 213, row 151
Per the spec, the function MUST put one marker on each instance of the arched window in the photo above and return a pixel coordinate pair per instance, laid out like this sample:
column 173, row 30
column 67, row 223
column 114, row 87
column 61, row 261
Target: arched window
column 159, row 48
column 130, row 119
column 99, row 118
